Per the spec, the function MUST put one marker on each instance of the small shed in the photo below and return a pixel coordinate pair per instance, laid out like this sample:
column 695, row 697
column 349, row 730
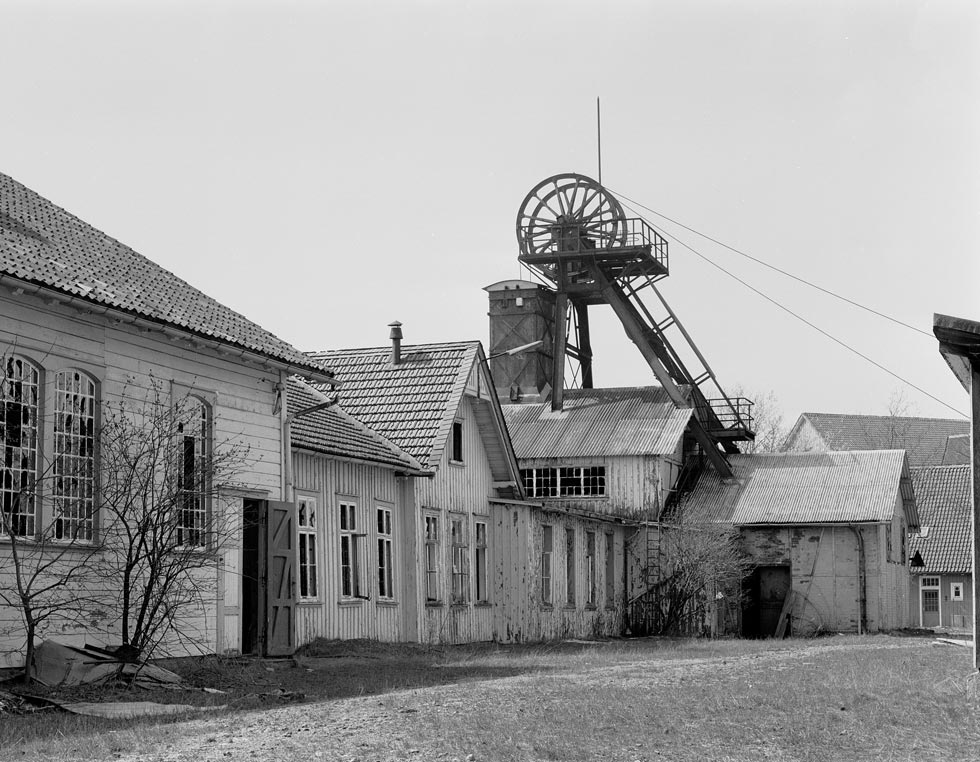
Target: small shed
column 826, row 533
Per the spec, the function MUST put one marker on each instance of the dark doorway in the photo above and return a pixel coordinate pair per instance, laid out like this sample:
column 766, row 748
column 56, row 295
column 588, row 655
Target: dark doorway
column 766, row 590
column 253, row 593
column 268, row 577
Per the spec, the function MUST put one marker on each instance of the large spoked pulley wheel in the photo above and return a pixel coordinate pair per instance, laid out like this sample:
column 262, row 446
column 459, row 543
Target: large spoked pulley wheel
column 568, row 213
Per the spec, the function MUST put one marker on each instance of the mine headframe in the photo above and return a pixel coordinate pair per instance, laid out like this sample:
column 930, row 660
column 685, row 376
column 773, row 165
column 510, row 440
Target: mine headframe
column 575, row 235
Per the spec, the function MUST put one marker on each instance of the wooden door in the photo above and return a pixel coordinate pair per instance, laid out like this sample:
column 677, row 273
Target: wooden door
column 281, row 579
column 766, row 588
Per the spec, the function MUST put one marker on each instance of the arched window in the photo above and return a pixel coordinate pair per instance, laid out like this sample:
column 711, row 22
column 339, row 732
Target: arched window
column 19, row 402
column 73, row 488
column 193, row 473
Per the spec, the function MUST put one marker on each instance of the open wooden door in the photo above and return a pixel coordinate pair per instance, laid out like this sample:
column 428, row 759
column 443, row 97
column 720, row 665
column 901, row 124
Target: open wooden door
column 280, row 556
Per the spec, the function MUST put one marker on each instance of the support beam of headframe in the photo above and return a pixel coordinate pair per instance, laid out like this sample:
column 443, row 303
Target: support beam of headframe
column 661, row 364
column 584, row 343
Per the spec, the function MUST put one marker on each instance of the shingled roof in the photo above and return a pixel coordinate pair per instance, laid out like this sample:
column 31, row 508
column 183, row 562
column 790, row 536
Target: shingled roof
column 804, row 488
column 43, row 245
column 412, row 404
column 332, row 431
column 924, row 439
column 946, row 508
column 598, row 422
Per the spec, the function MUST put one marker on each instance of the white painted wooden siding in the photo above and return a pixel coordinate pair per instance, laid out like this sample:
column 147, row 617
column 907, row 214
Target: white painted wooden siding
column 126, row 361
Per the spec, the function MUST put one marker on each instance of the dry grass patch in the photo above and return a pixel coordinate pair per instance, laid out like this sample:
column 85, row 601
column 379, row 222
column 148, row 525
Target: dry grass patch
column 841, row 698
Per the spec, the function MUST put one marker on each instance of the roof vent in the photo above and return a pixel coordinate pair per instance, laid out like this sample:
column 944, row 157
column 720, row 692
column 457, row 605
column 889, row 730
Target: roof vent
column 396, row 342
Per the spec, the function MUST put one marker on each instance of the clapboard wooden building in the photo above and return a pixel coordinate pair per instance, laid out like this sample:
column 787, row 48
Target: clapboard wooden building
column 85, row 323
column 436, row 402
column 355, row 523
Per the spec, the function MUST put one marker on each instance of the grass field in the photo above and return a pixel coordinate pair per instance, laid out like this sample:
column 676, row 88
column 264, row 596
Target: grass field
column 839, row 698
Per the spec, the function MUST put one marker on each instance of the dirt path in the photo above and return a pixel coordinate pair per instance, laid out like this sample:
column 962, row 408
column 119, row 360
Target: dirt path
column 399, row 725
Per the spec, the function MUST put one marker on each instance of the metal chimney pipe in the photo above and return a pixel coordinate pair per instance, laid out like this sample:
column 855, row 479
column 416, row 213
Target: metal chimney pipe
column 396, row 342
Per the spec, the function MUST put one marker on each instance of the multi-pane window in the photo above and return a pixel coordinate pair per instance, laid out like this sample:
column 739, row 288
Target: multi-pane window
column 570, row 566
column 547, row 551
column 194, row 433
column 482, row 594
column 350, row 576
column 590, row 568
column 386, row 572
column 73, row 472
column 307, row 525
column 459, row 537
column 432, row 559
column 610, row 569
column 19, row 398
column 585, row 481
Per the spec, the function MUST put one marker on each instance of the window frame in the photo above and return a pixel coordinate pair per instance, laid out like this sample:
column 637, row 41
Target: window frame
column 956, row 591
column 431, row 566
column 29, row 475
column 591, row 587
column 610, row 580
column 459, row 543
column 307, row 546
column 563, row 481
column 456, row 442
column 65, row 507
column 570, row 592
column 482, row 592
column 547, row 565
column 385, row 520
column 200, row 535
column 350, row 551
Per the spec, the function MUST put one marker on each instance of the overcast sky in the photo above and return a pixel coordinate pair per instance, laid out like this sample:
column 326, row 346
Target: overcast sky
column 326, row 168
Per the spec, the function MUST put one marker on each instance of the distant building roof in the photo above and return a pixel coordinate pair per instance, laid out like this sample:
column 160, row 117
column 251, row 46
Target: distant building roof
column 924, row 439
column 804, row 488
column 42, row 244
column 598, row 422
column 945, row 513
column 332, row 431
column 413, row 404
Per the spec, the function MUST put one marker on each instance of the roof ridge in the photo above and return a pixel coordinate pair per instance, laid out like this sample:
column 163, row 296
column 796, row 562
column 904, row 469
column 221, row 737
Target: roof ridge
column 888, row 417
column 387, row 348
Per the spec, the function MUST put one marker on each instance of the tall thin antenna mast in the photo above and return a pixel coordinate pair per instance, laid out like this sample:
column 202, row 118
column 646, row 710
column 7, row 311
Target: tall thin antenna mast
column 598, row 130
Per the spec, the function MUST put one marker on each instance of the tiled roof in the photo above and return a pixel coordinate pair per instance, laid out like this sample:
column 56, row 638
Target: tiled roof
column 598, row 422
column 43, row 244
column 332, row 431
column 946, row 508
column 924, row 439
column 803, row 488
column 413, row 403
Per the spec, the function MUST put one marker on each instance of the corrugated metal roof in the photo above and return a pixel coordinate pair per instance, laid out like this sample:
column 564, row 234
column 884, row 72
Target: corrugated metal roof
column 43, row 244
column 804, row 488
column 413, row 403
column 598, row 422
column 924, row 439
column 946, row 508
column 332, row 431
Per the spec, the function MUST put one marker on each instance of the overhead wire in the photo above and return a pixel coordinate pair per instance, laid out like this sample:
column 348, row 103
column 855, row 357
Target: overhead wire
column 773, row 267
column 786, row 309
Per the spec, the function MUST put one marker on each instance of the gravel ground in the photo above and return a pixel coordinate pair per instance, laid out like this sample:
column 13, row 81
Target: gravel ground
column 398, row 725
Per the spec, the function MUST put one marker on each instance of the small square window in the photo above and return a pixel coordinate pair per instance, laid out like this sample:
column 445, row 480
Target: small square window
column 956, row 591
